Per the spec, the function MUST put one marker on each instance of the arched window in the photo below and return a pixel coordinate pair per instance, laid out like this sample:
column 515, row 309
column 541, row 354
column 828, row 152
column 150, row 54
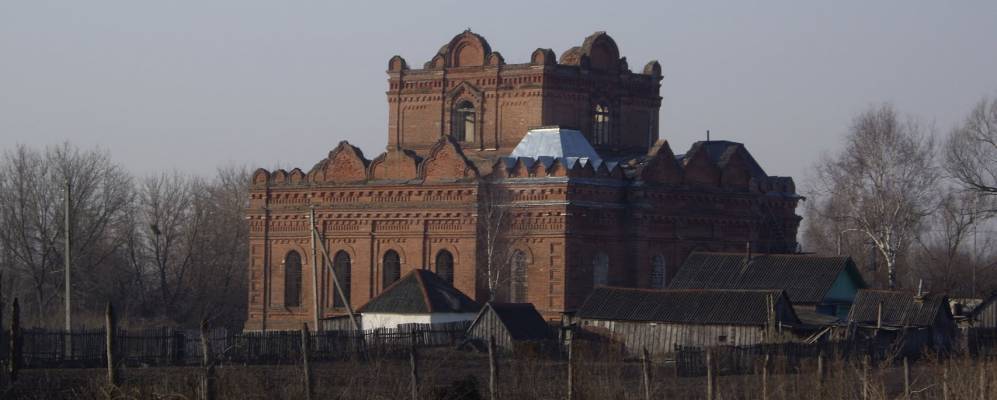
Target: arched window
column 518, row 283
column 600, row 125
column 444, row 266
column 462, row 127
column 341, row 266
column 658, row 271
column 292, row 279
column 600, row 269
column 391, row 268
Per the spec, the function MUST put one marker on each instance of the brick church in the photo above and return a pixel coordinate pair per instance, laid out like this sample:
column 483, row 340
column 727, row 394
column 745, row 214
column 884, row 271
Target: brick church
column 530, row 182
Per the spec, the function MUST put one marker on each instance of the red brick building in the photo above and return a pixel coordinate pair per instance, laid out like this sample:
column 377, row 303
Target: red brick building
column 464, row 191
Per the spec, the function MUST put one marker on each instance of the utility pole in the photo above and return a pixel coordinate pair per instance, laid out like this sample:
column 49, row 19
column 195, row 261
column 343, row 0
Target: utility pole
column 315, row 266
column 68, row 257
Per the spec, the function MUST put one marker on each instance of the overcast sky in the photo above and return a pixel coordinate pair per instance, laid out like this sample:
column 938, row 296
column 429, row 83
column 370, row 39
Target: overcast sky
column 191, row 85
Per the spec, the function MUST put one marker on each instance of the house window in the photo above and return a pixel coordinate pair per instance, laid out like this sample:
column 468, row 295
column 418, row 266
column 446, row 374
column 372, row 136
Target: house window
column 341, row 266
column 292, row 279
column 600, row 125
column 600, row 269
column 391, row 268
column 464, row 121
column 519, row 277
column 658, row 271
column 444, row 266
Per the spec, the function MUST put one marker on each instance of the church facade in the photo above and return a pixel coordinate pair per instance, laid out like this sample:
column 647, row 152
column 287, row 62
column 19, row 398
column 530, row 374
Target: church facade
column 531, row 182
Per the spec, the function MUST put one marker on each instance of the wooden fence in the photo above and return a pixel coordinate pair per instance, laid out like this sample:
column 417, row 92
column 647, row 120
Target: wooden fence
column 167, row 346
column 736, row 360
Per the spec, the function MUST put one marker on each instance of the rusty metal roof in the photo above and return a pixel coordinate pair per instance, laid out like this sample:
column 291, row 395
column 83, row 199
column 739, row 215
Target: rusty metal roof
column 692, row 306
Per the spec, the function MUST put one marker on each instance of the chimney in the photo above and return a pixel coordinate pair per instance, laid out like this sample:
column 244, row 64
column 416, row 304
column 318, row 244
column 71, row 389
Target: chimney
column 919, row 297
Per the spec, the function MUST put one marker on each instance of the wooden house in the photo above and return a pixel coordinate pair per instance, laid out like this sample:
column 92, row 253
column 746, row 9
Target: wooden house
column 911, row 321
column 659, row 320
column 511, row 324
column 821, row 288
column 419, row 297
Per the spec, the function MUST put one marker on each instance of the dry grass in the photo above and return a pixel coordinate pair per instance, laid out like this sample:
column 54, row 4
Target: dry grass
column 597, row 376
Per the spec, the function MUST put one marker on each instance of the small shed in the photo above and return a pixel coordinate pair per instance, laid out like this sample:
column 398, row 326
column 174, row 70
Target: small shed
column 419, row 297
column 917, row 321
column 510, row 323
column 660, row 320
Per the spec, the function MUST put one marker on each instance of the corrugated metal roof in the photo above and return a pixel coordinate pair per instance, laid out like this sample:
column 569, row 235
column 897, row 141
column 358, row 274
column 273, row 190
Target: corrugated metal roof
column 806, row 278
column 694, row 306
column 899, row 308
column 420, row 292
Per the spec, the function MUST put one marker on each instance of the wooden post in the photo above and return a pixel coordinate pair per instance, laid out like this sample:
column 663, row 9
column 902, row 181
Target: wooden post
column 906, row 379
column 208, row 381
column 945, row 382
column 414, row 364
column 15, row 341
column 765, row 378
column 492, row 369
column 571, row 378
column 709, row 376
column 111, row 328
column 983, row 380
column 646, row 373
column 305, row 354
column 820, row 375
column 865, row 378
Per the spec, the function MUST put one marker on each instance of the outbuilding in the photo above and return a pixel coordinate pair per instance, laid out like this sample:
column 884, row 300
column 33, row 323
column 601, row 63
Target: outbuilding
column 419, row 297
column 511, row 324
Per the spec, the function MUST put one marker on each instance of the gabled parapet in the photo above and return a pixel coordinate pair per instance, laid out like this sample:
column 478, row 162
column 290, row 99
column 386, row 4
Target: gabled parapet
column 661, row 166
column 395, row 164
column 698, row 168
column 345, row 164
column 446, row 162
column 261, row 177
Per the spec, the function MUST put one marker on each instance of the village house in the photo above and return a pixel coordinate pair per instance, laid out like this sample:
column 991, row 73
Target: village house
column 659, row 320
column 567, row 147
column 821, row 288
column 419, row 297
column 912, row 321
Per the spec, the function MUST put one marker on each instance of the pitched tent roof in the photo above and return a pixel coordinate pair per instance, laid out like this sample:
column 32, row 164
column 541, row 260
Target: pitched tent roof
column 806, row 278
column 420, row 292
column 554, row 142
column 693, row 306
column 521, row 320
column 899, row 308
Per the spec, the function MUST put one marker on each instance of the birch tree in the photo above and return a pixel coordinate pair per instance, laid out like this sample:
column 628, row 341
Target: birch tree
column 881, row 184
column 493, row 227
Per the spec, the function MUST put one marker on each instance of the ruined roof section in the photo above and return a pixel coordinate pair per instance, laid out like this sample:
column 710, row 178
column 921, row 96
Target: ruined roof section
column 899, row 308
column 806, row 278
column 734, row 307
column 420, row 292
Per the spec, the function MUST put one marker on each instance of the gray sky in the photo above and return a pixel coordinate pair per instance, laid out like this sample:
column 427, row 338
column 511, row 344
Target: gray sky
column 191, row 85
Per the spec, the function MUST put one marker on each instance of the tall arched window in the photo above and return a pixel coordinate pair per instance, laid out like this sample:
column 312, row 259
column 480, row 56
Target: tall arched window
column 464, row 119
column 600, row 269
column 292, row 279
column 600, row 125
column 658, row 271
column 518, row 283
column 391, row 268
column 444, row 266
column 341, row 266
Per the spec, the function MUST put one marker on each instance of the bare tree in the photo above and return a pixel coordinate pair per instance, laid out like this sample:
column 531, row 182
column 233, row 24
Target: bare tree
column 971, row 150
column 947, row 254
column 882, row 184
column 494, row 219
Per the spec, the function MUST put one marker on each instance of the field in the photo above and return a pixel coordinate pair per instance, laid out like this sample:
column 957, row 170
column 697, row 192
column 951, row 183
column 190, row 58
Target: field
column 444, row 373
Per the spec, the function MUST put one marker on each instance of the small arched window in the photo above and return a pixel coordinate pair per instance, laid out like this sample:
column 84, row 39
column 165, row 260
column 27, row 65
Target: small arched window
column 658, row 271
column 464, row 120
column 391, row 268
column 292, row 279
column 341, row 266
column 518, row 283
column 601, row 127
column 600, row 269
column 444, row 266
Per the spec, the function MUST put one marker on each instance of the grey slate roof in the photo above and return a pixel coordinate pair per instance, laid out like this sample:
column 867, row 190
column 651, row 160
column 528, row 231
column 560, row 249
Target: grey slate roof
column 899, row 308
column 521, row 320
column 806, row 278
column 554, row 142
column 692, row 306
column 420, row 292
